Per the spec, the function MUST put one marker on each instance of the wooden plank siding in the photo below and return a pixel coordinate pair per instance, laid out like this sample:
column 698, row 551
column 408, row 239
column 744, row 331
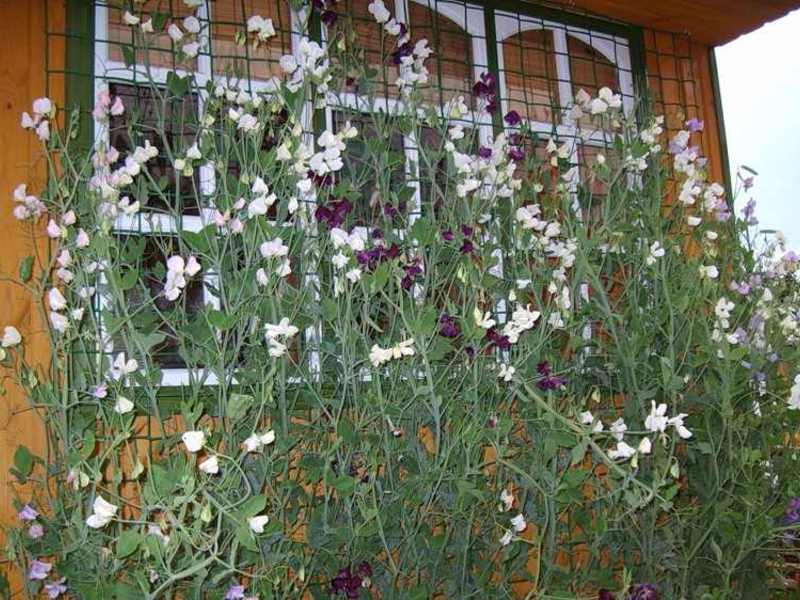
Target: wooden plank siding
column 22, row 78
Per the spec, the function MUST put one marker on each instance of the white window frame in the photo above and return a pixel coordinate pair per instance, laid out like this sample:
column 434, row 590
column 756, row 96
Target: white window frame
column 156, row 223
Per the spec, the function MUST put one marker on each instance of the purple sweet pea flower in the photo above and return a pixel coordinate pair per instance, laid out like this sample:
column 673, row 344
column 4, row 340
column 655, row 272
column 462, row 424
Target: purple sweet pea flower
column 516, row 155
column 694, row 125
column 791, row 515
column 485, row 90
column 349, row 583
column 497, row 339
column 235, row 592
column 447, row 236
column 605, row 594
column 39, row 570
column 401, row 52
column 27, row 513
column 791, row 257
column 55, row 589
column 448, row 327
column 485, row 153
column 35, row 531
column 467, row 231
column 512, row 118
column 467, row 247
column 643, row 591
column 329, row 17
column 749, row 212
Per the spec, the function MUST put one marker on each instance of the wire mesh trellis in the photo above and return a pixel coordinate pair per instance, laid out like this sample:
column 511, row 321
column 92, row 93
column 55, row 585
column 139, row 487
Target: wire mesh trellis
column 540, row 59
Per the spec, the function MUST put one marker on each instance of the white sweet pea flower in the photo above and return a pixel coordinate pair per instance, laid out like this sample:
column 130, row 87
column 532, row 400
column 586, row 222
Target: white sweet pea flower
column 618, row 429
column 379, row 11
column 680, row 428
column 82, row 239
column 587, row 418
column 506, row 373
column 11, row 337
column 379, row 356
column 175, row 33
column 194, row 152
column 130, row 19
column 256, row 441
column 622, row 451
column 121, row 367
column 645, row 446
column 507, row 538
column 56, row 299
column 194, row 440
column 103, row 513
column 258, row 523
column 506, row 500
column 210, row 465
column 263, row 28
column 483, row 320
column 710, row 271
column 191, row 24
column 656, row 252
column 283, row 329
column 656, row 421
column 274, row 249
column 519, row 523
column 122, row 405
column 794, row 394
column 191, row 49
column 59, row 322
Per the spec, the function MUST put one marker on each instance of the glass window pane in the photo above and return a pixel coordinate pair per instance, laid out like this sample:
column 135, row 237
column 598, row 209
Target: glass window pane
column 141, row 121
column 156, row 49
column 151, row 311
column 589, row 68
column 529, row 66
column 365, row 160
column 376, row 68
column 244, row 60
column 451, row 64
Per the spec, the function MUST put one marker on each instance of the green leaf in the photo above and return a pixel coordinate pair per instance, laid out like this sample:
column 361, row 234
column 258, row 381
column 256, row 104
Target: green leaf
column 128, row 55
column 380, row 277
column 238, row 405
column 344, row 485
column 25, row 268
column 220, row 320
column 245, row 537
column 23, row 461
column 252, row 506
column 329, row 309
column 177, row 85
column 128, row 279
column 423, row 231
column 128, row 543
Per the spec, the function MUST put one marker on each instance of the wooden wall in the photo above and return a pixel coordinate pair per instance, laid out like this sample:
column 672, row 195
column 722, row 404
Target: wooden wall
column 22, row 78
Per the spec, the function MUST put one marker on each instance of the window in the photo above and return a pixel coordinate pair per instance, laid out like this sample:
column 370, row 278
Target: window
column 541, row 65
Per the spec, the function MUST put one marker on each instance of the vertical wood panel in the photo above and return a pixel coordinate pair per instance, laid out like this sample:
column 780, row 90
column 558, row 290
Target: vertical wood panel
column 22, row 78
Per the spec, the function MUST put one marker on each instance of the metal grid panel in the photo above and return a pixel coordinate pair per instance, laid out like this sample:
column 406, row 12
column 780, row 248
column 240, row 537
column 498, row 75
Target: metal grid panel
column 541, row 55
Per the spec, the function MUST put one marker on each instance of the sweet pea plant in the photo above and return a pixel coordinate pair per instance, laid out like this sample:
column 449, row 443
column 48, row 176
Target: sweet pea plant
column 493, row 382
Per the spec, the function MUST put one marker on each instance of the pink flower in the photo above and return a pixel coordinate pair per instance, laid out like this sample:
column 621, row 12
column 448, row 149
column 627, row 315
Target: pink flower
column 35, row 531
column 55, row 589
column 27, row 513
column 39, row 570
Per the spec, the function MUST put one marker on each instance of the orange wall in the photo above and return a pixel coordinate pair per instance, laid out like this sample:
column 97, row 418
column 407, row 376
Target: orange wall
column 22, row 78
